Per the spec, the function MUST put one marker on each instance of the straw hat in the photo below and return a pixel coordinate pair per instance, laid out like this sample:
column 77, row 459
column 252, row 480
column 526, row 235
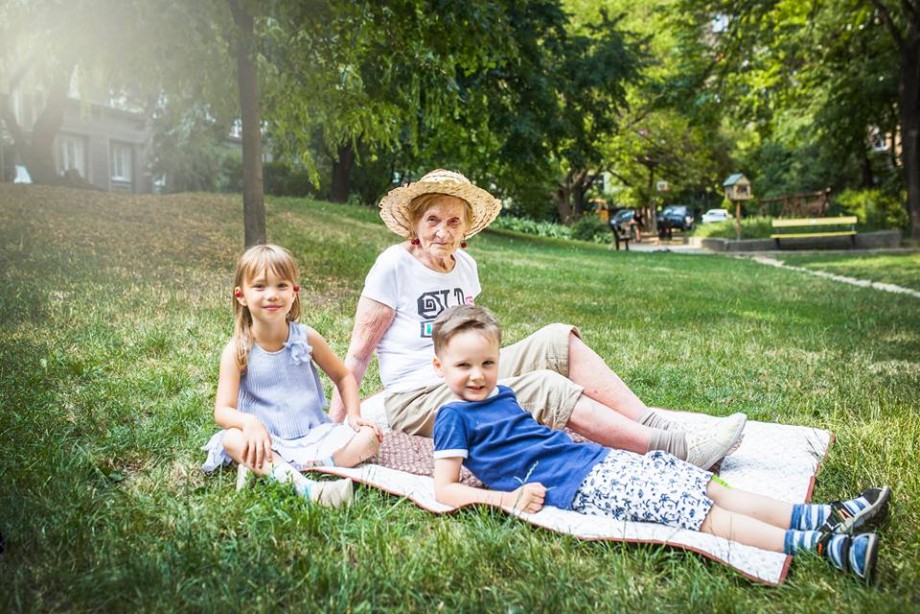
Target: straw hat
column 394, row 208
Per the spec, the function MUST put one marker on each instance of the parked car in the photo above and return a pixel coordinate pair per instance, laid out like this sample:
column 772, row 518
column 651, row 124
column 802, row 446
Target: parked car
column 674, row 216
column 715, row 215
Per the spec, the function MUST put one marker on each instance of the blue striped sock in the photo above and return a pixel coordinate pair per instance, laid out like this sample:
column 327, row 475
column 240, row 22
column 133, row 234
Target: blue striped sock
column 800, row 540
column 834, row 548
column 808, row 517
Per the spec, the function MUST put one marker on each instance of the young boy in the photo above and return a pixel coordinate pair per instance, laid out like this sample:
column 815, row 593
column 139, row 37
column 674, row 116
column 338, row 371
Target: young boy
column 525, row 465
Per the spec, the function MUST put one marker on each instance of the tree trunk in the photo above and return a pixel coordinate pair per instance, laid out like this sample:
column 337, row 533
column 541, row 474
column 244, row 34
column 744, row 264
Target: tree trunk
column 37, row 153
column 248, row 81
column 562, row 198
column 341, row 173
column 865, row 165
column 581, row 181
column 909, row 103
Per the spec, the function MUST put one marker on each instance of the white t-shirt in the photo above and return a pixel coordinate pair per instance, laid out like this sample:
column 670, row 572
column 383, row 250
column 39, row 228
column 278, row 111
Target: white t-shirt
column 417, row 294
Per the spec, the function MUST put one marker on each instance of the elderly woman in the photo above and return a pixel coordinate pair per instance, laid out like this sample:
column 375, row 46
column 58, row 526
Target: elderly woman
column 555, row 375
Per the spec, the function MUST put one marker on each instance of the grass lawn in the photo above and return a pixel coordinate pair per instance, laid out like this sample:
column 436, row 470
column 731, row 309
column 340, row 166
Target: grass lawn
column 113, row 310
column 901, row 269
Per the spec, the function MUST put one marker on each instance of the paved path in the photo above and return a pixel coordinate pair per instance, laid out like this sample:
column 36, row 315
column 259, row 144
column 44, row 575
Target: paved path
column 664, row 246
column 863, row 283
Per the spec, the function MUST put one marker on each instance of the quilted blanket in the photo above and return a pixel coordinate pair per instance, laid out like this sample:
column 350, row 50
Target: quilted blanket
column 774, row 459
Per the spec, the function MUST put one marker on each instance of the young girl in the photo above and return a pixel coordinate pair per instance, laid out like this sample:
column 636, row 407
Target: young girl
column 527, row 465
column 270, row 399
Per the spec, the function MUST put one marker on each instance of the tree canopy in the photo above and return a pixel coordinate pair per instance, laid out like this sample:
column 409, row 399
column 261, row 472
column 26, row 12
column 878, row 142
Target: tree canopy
column 535, row 99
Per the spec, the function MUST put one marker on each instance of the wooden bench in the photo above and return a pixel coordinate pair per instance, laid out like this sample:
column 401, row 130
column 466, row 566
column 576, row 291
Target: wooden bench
column 815, row 227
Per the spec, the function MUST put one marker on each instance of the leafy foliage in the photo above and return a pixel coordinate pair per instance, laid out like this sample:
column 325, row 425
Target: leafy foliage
column 875, row 209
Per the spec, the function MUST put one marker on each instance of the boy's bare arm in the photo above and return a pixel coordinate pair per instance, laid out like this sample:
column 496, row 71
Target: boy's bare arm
column 448, row 490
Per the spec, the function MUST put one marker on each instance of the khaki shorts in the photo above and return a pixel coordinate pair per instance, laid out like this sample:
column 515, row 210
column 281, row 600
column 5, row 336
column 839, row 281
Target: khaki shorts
column 536, row 368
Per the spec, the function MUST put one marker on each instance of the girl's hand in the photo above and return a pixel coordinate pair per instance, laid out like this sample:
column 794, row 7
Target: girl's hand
column 528, row 498
column 257, row 446
column 358, row 422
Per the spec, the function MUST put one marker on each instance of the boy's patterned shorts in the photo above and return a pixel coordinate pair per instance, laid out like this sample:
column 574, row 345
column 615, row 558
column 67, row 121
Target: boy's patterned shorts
column 657, row 487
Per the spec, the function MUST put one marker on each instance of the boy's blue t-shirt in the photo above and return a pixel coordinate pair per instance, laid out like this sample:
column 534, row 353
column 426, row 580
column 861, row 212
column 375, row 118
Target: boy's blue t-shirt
column 504, row 446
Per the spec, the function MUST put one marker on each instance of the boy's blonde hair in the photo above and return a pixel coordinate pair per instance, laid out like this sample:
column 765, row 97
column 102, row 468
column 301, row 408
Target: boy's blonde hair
column 255, row 260
column 462, row 318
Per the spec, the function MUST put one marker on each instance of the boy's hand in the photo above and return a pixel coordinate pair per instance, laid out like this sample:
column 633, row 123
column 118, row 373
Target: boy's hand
column 528, row 498
column 357, row 423
column 257, row 443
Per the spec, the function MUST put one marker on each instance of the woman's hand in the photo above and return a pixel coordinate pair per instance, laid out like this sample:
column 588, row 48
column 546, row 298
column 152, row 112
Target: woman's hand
column 257, row 443
column 357, row 422
column 528, row 498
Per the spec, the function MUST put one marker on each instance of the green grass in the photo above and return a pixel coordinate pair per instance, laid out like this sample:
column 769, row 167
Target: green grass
column 113, row 310
column 901, row 269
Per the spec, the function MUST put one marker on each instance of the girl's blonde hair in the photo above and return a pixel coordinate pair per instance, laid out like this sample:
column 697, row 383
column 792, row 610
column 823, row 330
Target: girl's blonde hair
column 255, row 260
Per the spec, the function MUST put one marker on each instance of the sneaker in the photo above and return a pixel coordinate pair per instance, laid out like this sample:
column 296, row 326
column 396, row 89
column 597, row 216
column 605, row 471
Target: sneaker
column 842, row 520
column 242, row 476
column 339, row 493
column 856, row 554
column 711, row 443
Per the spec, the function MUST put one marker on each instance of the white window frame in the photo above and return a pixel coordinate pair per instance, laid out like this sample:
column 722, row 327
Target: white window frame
column 121, row 161
column 70, row 153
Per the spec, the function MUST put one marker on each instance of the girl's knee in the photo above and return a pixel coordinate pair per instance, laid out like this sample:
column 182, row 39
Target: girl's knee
column 232, row 440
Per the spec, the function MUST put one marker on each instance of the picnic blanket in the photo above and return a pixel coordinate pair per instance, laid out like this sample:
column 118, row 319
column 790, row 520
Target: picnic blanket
column 774, row 459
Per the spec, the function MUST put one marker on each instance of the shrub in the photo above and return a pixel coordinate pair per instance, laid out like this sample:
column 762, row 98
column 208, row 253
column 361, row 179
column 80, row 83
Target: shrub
column 875, row 209
column 528, row 226
column 751, row 228
column 282, row 180
column 590, row 228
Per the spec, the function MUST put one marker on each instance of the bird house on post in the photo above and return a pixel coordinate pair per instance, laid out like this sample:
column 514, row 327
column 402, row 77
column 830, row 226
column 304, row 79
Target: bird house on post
column 737, row 189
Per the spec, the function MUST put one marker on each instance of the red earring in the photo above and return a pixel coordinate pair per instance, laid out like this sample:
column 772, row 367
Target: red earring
column 296, row 288
column 238, row 294
column 463, row 244
column 415, row 241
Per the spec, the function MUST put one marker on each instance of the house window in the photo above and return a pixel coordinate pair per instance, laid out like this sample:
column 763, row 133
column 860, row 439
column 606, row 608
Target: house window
column 122, row 162
column 70, row 154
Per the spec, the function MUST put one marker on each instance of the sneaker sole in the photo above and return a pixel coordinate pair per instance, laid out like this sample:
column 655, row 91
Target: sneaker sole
column 871, row 557
column 875, row 512
column 733, row 444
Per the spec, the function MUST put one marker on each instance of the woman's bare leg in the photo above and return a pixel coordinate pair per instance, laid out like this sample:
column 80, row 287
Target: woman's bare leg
column 589, row 371
column 609, row 428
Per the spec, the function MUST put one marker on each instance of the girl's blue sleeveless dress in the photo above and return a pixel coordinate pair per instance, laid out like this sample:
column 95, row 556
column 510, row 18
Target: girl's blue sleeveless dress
column 283, row 390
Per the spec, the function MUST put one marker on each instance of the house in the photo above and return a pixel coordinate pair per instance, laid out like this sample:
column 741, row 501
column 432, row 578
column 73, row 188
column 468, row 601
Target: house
column 104, row 145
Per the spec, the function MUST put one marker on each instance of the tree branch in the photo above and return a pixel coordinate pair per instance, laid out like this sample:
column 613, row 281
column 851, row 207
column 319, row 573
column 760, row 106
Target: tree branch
column 885, row 14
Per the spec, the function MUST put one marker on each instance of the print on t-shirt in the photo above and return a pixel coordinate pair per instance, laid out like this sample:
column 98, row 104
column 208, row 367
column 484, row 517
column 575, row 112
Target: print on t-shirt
column 430, row 304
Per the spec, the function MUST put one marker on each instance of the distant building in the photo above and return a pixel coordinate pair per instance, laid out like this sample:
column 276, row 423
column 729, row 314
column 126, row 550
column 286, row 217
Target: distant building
column 105, row 145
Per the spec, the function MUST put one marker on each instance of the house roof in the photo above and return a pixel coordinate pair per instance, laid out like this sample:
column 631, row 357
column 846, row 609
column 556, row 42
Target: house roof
column 733, row 179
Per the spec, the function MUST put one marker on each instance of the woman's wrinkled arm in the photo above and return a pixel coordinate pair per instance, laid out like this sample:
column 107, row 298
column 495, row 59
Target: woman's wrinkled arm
column 372, row 320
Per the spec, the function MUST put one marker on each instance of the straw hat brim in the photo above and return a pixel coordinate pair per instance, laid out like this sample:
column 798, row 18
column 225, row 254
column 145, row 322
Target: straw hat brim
column 394, row 208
